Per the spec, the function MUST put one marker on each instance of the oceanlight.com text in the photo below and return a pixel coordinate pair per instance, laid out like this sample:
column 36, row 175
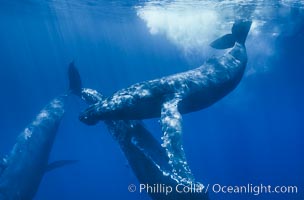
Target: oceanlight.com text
column 254, row 189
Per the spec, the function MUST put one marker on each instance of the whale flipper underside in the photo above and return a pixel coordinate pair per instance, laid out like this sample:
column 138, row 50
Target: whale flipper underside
column 171, row 121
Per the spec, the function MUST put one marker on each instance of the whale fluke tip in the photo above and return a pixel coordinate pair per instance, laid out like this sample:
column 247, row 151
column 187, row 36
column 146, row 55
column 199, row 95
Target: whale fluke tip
column 240, row 30
column 224, row 42
column 239, row 34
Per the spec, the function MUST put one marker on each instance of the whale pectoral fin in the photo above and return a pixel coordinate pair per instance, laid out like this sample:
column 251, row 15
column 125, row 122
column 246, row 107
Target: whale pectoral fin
column 171, row 122
column 59, row 163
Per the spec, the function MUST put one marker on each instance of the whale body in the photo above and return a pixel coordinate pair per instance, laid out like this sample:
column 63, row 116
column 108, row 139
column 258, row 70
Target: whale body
column 23, row 169
column 192, row 90
column 171, row 96
column 146, row 156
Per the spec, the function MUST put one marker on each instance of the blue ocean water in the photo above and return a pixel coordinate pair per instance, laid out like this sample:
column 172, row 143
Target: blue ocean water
column 252, row 136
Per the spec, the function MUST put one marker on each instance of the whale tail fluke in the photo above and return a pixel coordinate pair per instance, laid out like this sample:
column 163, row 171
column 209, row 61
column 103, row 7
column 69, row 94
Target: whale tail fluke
column 239, row 34
column 74, row 79
column 240, row 31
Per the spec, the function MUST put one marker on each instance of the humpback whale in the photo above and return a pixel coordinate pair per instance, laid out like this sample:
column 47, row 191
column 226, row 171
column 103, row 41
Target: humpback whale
column 146, row 156
column 22, row 170
column 187, row 91
column 177, row 94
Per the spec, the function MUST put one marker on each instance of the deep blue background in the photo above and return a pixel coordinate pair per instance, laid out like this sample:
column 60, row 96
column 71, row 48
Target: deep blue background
column 254, row 135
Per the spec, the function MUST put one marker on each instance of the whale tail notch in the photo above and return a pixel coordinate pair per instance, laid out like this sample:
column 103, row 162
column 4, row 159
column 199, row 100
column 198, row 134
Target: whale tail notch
column 238, row 34
column 74, row 80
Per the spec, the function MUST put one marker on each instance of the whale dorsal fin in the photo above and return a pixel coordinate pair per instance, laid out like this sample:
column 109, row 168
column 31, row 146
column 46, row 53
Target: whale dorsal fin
column 59, row 163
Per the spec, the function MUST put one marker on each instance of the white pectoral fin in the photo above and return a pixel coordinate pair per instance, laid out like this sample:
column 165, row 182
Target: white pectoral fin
column 171, row 121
